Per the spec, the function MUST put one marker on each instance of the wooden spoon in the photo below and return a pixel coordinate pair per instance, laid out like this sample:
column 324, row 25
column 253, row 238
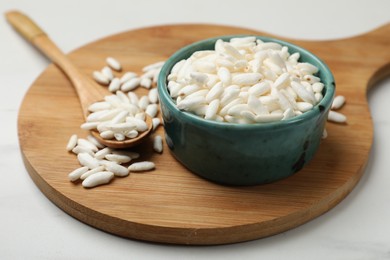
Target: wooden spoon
column 86, row 89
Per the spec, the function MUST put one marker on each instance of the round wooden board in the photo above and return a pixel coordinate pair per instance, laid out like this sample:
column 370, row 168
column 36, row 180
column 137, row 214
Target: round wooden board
column 170, row 204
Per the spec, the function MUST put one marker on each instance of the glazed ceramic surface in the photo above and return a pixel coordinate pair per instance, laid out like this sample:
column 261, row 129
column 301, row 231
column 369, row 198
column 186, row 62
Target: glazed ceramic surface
column 244, row 154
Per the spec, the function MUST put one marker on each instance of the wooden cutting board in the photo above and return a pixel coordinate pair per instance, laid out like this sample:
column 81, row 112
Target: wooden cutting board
column 170, row 204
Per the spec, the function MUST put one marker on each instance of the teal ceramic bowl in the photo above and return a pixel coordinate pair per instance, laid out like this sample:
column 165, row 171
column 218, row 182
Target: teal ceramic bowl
column 244, row 154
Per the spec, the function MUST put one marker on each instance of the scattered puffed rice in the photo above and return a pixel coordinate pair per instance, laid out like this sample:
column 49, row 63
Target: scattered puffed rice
column 100, row 78
column 90, row 172
column 153, row 95
column 81, row 149
column 156, row 122
column 131, row 84
column 152, row 110
column 114, row 64
column 98, row 178
column 117, row 169
column 71, row 143
column 157, row 144
column 86, row 159
column 120, row 116
column 101, row 154
column 106, row 71
column 338, row 102
column 87, row 144
column 115, row 85
column 142, row 166
column 118, row 158
column 75, row 175
column 337, row 117
column 146, row 82
column 94, row 141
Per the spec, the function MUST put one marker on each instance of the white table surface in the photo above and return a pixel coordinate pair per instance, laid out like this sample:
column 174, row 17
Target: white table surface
column 31, row 227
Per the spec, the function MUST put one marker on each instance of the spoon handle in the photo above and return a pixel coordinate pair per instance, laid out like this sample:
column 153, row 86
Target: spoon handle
column 24, row 25
column 87, row 90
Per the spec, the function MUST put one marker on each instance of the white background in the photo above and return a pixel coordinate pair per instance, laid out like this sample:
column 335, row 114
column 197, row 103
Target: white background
column 31, row 227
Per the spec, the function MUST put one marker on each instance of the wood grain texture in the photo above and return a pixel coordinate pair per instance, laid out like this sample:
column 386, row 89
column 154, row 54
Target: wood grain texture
column 170, row 204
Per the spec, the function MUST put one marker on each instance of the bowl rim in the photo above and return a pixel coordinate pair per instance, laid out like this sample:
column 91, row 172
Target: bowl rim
column 186, row 51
